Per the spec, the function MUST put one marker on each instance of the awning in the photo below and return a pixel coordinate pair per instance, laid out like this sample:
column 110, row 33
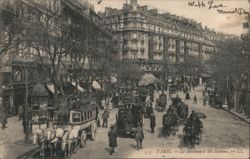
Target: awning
column 148, row 79
column 51, row 88
column 96, row 85
column 78, row 87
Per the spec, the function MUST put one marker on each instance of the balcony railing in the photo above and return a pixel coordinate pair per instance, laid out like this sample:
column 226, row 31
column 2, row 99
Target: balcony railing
column 125, row 48
column 134, row 48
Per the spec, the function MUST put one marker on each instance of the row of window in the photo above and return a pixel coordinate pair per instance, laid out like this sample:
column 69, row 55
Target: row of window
column 133, row 43
column 158, row 30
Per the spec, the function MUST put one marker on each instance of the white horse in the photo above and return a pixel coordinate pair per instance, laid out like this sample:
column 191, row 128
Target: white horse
column 51, row 140
column 39, row 138
column 73, row 138
column 65, row 141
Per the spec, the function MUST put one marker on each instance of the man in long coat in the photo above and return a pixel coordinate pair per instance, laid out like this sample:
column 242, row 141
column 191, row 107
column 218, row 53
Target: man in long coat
column 3, row 118
column 152, row 122
column 139, row 136
column 112, row 139
column 105, row 117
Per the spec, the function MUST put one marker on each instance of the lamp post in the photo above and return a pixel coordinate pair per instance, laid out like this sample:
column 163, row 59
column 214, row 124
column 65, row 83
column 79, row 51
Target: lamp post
column 27, row 122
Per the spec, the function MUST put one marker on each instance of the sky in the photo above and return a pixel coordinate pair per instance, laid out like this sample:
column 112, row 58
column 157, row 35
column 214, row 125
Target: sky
column 227, row 23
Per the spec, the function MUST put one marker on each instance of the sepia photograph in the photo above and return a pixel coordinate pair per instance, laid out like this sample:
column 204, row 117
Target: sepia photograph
column 111, row 79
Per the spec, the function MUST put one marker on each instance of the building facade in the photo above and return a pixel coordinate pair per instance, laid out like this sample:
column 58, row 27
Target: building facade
column 25, row 65
column 152, row 39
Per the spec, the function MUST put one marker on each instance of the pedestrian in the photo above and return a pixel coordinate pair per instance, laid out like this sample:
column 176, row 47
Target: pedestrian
column 205, row 101
column 20, row 112
column 152, row 122
column 3, row 118
column 139, row 136
column 195, row 99
column 203, row 93
column 112, row 139
column 105, row 118
column 97, row 117
column 187, row 96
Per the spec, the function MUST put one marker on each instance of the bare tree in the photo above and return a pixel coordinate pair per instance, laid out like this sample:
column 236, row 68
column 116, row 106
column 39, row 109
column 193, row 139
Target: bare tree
column 11, row 26
column 78, row 52
column 230, row 66
column 50, row 37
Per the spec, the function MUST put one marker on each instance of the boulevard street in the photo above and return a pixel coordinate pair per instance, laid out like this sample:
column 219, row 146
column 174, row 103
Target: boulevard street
column 230, row 132
column 84, row 79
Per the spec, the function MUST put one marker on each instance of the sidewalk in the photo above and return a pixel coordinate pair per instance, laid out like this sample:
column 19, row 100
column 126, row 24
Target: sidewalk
column 242, row 116
column 11, row 138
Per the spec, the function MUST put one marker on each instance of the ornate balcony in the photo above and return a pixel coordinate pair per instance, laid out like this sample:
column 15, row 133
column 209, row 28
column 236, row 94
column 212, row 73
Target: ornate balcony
column 125, row 48
column 134, row 48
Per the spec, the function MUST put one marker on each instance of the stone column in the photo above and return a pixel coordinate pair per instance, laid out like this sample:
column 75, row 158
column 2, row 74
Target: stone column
column 177, row 55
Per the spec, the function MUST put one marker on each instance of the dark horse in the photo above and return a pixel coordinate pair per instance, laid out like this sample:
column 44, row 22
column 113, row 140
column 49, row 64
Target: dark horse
column 192, row 132
column 182, row 111
column 189, row 135
column 169, row 123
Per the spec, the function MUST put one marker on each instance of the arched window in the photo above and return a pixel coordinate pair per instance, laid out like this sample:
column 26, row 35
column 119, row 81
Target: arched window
column 18, row 75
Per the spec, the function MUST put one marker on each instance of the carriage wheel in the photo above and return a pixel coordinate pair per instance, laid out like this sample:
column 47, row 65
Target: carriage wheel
column 83, row 138
column 93, row 130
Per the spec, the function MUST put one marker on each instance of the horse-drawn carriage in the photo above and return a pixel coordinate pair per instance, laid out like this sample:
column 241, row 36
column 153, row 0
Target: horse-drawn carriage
column 161, row 102
column 193, row 129
column 128, row 117
column 63, row 138
column 177, row 113
column 181, row 108
column 169, row 123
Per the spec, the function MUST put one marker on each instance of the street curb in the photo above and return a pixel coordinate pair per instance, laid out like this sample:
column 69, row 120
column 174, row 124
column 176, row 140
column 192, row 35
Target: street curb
column 236, row 115
column 29, row 153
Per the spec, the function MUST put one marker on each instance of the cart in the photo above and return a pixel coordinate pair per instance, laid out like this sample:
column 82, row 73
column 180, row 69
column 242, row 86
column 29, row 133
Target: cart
column 130, row 114
column 82, row 117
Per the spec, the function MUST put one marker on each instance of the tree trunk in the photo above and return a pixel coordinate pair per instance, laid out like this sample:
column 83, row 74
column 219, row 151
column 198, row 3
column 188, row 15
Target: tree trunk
column 77, row 77
column 26, row 87
column 27, row 134
column 27, row 138
column 101, row 82
column 56, row 100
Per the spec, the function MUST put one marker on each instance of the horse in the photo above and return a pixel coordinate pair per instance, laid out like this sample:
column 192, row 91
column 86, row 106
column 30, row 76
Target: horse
column 174, row 123
column 198, row 130
column 161, row 103
column 70, row 140
column 55, row 141
column 160, row 106
column 169, row 123
column 39, row 138
column 189, row 135
column 65, row 142
column 182, row 111
column 51, row 140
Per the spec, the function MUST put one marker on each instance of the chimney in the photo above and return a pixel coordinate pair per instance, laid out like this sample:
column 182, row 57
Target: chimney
column 107, row 11
column 134, row 4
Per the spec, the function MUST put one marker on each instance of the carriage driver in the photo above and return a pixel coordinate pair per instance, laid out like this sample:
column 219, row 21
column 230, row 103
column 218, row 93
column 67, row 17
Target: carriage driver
column 192, row 116
column 171, row 109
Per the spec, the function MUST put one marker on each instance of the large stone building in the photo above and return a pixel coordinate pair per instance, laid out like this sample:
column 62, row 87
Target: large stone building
column 152, row 39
